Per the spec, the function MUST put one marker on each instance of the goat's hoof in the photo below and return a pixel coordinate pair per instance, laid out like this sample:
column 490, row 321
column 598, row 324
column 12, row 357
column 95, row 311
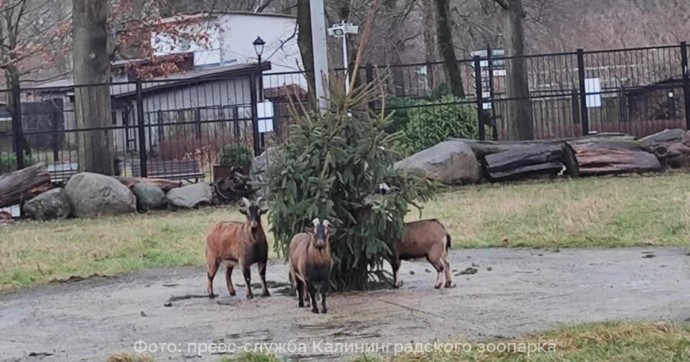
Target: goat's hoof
column 233, row 293
column 300, row 305
column 211, row 295
column 315, row 311
column 450, row 285
column 250, row 297
column 324, row 310
column 437, row 286
column 266, row 294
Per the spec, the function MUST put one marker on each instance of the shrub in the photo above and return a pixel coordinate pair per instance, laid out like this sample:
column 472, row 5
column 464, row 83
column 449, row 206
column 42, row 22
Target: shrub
column 8, row 161
column 433, row 122
column 331, row 168
column 399, row 108
column 236, row 155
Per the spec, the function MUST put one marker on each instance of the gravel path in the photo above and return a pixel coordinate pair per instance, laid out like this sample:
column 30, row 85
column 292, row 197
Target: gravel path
column 512, row 293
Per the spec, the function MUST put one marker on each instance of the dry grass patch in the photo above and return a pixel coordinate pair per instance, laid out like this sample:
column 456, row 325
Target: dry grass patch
column 612, row 341
column 595, row 212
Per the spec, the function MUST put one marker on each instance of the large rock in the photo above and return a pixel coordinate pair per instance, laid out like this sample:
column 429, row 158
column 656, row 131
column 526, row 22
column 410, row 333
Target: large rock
column 50, row 205
column 149, row 197
column 189, row 197
column 450, row 162
column 93, row 195
column 259, row 170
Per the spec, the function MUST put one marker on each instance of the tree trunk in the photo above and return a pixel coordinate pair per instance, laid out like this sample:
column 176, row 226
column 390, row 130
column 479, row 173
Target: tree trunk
column 304, row 40
column 520, row 108
column 444, row 34
column 606, row 158
column 165, row 185
column 19, row 185
column 534, row 160
column 92, row 102
column 433, row 78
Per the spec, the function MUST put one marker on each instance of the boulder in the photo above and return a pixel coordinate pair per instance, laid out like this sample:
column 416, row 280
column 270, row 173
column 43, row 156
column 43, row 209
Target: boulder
column 149, row 197
column 191, row 196
column 450, row 162
column 259, row 170
column 50, row 205
column 93, row 195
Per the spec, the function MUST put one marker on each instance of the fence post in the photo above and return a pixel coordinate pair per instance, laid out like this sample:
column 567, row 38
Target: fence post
column 370, row 80
column 480, row 97
column 17, row 131
column 141, row 129
column 255, row 113
column 494, row 124
column 686, row 81
column 584, row 112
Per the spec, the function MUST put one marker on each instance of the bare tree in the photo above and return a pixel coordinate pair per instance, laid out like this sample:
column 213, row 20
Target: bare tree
column 518, row 84
column 444, row 35
column 92, row 95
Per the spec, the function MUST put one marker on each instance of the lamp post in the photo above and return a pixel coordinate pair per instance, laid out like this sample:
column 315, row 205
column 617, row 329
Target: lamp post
column 259, row 49
column 340, row 31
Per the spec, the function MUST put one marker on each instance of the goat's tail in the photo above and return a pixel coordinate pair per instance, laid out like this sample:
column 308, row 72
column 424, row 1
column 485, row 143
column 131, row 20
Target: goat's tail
column 447, row 241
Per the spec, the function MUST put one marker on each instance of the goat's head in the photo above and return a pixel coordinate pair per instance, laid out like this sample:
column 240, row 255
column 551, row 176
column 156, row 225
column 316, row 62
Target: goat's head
column 253, row 211
column 322, row 232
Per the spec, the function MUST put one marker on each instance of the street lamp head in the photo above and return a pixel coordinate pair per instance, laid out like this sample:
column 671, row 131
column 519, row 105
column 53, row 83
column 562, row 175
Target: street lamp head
column 259, row 46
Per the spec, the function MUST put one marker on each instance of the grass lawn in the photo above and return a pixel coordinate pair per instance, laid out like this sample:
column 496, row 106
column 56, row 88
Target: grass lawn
column 601, row 212
column 612, row 341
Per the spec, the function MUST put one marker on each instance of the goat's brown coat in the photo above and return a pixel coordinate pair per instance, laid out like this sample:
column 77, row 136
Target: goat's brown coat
column 424, row 238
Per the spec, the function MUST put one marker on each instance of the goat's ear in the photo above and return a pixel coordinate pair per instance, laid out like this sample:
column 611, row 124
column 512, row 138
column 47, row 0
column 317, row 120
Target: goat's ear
column 330, row 230
column 243, row 211
column 263, row 211
column 309, row 229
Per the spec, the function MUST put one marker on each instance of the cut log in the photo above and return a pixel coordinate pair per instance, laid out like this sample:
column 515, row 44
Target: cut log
column 604, row 159
column 23, row 184
column 485, row 148
column 665, row 136
column 165, row 185
column 535, row 160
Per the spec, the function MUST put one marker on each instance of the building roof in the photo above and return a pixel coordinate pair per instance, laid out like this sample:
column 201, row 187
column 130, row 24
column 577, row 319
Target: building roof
column 200, row 15
column 127, row 89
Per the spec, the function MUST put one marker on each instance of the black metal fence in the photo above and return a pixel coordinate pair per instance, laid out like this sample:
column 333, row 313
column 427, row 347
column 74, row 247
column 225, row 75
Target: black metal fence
column 176, row 128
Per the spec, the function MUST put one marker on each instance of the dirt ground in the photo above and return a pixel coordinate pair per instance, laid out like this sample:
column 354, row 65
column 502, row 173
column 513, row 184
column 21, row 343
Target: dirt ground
column 512, row 293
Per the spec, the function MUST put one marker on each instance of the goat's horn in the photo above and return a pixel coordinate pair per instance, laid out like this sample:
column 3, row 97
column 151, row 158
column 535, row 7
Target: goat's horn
column 245, row 202
column 325, row 223
column 258, row 201
column 315, row 222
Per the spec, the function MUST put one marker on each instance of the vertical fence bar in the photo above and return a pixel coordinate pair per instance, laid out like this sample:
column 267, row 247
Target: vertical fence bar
column 255, row 113
column 686, row 81
column 141, row 128
column 480, row 97
column 17, row 131
column 494, row 125
column 584, row 112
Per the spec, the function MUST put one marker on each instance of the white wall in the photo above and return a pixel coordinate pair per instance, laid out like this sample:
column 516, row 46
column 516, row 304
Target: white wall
column 230, row 40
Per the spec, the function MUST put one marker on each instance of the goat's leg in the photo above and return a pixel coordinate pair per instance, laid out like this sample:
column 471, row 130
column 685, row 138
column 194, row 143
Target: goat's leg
column 262, row 274
column 395, row 265
column 312, row 295
column 440, row 267
column 248, row 280
column 212, row 265
column 300, row 292
column 307, row 301
column 324, row 291
column 228, row 280
column 449, row 283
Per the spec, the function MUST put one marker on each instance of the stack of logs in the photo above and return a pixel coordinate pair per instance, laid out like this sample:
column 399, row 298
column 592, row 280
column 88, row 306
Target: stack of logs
column 595, row 155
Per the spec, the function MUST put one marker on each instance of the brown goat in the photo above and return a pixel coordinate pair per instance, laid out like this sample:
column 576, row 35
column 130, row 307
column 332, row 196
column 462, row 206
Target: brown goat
column 423, row 238
column 237, row 243
column 310, row 263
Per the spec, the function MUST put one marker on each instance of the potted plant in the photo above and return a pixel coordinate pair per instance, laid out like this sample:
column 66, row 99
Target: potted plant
column 233, row 157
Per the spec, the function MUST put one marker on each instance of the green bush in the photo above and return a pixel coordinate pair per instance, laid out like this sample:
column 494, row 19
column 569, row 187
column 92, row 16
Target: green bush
column 8, row 161
column 433, row 122
column 331, row 169
column 236, row 155
column 399, row 108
